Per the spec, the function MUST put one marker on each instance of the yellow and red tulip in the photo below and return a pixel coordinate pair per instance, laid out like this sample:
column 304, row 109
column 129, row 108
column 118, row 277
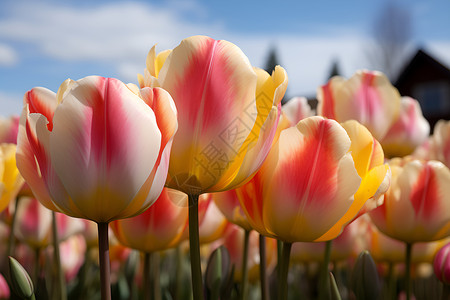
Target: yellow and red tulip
column 408, row 132
column 316, row 179
column 97, row 149
column 417, row 205
column 367, row 97
column 158, row 228
column 228, row 112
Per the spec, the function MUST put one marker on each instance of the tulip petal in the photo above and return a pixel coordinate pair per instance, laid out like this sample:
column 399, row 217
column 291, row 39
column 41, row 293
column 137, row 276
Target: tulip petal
column 31, row 156
column 105, row 140
column 368, row 97
column 322, row 179
column 211, row 82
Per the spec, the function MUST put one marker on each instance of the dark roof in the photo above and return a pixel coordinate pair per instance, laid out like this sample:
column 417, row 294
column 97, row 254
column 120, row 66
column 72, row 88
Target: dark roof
column 420, row 59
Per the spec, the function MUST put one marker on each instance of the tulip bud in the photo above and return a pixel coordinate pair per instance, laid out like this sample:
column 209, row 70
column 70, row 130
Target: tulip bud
column 442, row 264
column 365, row 282
column 334, row 291
column 4, row 288
column 218, row 275
column 21, row 282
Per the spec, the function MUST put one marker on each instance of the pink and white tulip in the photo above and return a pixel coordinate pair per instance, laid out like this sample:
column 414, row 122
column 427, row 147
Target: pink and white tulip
column 98, row 149
column 367, row 97
column 408, row 132
column 9, row 128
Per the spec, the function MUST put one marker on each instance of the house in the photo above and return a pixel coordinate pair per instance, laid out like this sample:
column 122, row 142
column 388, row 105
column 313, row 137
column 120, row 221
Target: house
column 427, row 80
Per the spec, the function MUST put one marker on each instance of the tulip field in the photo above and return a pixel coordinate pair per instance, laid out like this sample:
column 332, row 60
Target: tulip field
column 196, row 183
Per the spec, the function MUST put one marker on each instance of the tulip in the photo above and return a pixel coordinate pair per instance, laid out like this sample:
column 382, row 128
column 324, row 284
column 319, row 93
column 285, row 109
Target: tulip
column 212, row 223
column 212, row 154
column 34, row 224
column 8, row 129
column 442, row 264
column 315, row 165
column 440, row 142
column 72, row 256
column 159, row 227
column 347, row 245
column 229, row 206
column 408, row 132
column 4, row 288
column 416, row 207
column 305, row 170
column 98, row 150
column 297, row 109
column 386, row 249
column 367, row 97
column 228, row 117
column 10, row 179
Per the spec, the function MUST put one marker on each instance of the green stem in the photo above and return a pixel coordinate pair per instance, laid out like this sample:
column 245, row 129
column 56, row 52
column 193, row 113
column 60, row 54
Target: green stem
column 446, row 292
column 146, row 276
column 85, row 273
column 155, row 276
column 408, row 270
column 37, row 267
column 178, row 273
column 391, row 292
column 103, row 253
column 12, row 238
column 324, row 282
column 61, row 283
column 245, row 266
column 194, row 248
column 284, row 269
column 262, row 268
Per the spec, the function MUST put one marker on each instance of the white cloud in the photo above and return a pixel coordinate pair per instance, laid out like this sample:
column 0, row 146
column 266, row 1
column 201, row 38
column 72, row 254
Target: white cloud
column 121, row 33
column 8, row 56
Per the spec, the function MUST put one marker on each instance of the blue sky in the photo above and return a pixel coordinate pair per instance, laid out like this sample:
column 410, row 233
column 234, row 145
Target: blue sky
column 44, row 42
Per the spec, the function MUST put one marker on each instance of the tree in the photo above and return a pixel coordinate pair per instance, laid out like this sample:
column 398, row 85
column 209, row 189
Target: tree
column 391, row 35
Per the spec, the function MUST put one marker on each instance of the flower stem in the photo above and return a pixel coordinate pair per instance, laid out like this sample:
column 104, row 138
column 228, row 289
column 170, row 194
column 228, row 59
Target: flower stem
column 194, row 248
column 103, row 254
column 179, row 273
column 262, row 268
column 284, row 269
column 324, row 282
column 155, row 275
column 146, row 275
column 244, row 266
column 61, row 283
column 408, row 270
column 12, row 238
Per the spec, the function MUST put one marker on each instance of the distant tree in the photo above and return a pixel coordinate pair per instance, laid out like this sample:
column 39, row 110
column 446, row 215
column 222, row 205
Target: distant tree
column 272, row 60
column 271, row 63
column 392, row 28
column 334, row 71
